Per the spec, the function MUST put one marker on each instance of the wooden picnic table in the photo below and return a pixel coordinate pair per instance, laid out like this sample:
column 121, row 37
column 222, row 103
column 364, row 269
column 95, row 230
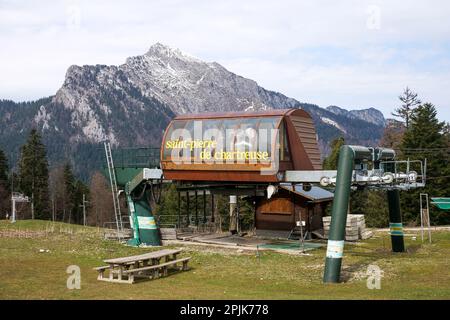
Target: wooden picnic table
column 125, row 269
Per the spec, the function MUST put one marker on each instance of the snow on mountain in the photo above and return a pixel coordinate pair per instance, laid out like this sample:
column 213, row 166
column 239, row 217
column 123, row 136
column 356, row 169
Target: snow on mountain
column 333, row 123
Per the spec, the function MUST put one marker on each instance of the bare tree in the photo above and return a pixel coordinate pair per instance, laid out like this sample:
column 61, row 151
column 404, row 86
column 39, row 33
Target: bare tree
column 5, row 202
column 101, row 209
column 409, row 103
column 58, row 193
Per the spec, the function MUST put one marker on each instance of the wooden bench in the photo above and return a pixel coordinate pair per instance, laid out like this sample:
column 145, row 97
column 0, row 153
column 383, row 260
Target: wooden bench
column 101, row 271
column 157, row 269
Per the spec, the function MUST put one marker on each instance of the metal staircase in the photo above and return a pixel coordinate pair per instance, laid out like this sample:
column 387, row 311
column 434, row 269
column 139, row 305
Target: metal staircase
column 114, row 189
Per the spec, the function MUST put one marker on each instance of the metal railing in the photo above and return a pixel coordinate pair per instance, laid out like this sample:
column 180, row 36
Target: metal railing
column 134, row 158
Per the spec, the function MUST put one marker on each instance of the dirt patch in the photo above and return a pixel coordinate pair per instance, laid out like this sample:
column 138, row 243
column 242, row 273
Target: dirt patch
column 218, row 250
column 413, row 248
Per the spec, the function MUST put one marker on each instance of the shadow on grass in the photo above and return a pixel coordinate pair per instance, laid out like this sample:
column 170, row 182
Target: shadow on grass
column 413, row 248
column 170, row 273
column 356, row 270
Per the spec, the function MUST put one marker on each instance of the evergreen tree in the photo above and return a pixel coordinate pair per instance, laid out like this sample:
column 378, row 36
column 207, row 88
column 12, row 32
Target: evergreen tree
column 223, row 211
column 425, row 139
column 3, row 169
column 246, row 214
column 33, row 175
column 376, row 212
column 331, row 162
column 409, row 103
column 446, row 132
column 168, row 206
column 69, row 192
column 72, row 196
column 5, row 206
column 57, row 192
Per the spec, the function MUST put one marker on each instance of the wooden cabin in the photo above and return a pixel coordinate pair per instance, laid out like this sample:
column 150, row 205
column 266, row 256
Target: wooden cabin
column 247, row 147
column 277, row 216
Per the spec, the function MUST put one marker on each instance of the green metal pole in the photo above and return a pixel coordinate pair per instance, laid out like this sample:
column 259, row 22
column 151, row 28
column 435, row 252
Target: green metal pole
column 136, row 241
column 335, row 246
column 395, row 221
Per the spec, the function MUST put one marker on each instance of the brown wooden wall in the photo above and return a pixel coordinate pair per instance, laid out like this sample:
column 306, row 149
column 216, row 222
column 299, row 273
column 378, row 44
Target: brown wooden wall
column 275, row 214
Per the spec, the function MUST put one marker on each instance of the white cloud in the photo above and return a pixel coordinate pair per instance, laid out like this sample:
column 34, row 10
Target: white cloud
column 320, row 51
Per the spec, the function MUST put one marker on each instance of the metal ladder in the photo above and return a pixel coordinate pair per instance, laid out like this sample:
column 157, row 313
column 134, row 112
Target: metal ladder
column 114, row 189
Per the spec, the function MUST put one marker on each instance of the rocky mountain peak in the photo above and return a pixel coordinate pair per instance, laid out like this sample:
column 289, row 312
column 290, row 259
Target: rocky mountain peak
column 166, row 53
column 371, row 115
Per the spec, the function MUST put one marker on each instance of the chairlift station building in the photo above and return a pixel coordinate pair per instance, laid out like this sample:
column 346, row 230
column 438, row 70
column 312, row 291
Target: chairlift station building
column 242, row 154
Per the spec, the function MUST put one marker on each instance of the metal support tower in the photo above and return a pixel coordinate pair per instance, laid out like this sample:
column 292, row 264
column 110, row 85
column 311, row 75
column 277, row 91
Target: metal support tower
column 425, row 215
column 15, row 198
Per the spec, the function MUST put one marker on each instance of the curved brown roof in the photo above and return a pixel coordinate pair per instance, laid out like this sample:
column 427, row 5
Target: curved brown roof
column 265, row 113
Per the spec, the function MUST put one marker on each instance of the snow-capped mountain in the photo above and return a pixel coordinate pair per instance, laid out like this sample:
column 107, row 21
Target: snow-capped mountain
column 178, row 82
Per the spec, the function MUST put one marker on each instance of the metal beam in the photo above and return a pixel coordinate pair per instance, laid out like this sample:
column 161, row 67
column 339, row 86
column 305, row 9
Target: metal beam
column 308, row 175
column 144, row 175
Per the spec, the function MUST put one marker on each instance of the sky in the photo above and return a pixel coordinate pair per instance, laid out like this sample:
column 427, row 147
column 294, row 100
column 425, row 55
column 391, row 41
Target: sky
column 354, row 54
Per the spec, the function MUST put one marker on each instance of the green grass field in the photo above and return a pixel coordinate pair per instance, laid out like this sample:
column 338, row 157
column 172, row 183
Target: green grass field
column 27, row 273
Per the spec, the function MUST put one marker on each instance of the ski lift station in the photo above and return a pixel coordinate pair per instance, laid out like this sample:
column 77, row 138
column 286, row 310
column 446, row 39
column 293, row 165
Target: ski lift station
column 270, row 158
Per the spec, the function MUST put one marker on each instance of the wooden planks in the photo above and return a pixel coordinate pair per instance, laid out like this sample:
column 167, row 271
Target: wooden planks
column 168, row 233
column 355, row 227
